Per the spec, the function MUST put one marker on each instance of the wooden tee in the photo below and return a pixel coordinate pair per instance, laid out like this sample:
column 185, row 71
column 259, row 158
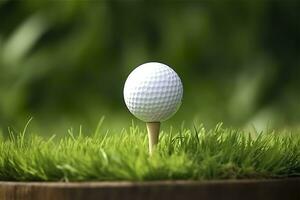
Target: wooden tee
column 153, row 134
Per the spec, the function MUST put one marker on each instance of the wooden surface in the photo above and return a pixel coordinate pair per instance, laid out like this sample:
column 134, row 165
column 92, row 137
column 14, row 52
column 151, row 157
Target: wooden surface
column 284, row 189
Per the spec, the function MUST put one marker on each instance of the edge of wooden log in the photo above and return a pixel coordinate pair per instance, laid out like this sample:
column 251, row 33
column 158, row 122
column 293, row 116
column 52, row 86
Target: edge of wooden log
column 288, row 188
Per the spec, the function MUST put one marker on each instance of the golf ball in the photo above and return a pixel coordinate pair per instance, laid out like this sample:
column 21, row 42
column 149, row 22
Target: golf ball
column 153, row 92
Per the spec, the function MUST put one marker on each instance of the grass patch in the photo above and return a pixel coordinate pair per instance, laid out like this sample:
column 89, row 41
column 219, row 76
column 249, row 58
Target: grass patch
column 188, row 154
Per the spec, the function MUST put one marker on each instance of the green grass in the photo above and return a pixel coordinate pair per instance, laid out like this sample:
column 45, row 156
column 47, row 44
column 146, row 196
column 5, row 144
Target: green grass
column 186, row 154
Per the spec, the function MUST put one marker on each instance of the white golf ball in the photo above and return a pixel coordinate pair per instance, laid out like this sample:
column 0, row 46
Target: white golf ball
column 153, row 92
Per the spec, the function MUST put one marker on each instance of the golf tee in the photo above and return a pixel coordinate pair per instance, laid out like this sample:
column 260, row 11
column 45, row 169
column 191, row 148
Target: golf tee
column 153, row 134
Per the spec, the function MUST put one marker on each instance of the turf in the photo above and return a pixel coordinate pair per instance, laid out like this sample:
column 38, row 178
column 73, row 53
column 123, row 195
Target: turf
column 186, row 154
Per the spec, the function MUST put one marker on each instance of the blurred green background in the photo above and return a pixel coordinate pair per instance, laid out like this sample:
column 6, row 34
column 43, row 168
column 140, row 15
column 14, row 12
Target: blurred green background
column 64, row 63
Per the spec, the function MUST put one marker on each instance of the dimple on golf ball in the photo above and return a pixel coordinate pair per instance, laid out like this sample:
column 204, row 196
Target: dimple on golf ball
column 153, row 92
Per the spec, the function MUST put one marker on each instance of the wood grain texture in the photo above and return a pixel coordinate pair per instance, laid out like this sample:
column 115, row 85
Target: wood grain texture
column 284, row 189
